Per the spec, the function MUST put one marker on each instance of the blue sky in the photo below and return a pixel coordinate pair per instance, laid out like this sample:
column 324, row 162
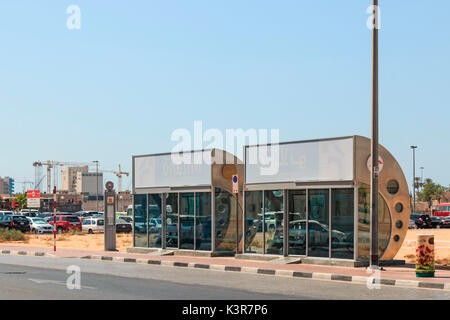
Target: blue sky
column 138, row 70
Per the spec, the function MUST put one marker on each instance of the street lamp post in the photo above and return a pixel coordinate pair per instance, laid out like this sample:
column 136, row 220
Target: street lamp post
column 374, row 143
column 96, row 177
column 414, row 177
column 421, row 178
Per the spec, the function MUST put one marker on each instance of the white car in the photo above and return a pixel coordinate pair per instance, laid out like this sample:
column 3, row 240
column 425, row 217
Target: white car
column 39, row 225
column 92, row 225
column 4, row 213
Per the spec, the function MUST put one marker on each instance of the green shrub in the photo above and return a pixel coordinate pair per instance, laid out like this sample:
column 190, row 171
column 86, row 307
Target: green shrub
column 11, row 235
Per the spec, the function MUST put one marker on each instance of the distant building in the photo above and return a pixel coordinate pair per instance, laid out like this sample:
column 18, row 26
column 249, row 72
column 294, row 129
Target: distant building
column 69, row 178
column 88, row 182
column 4, row 185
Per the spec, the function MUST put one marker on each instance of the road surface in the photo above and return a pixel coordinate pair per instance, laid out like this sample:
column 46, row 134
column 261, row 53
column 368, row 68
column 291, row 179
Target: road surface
column 25, row 277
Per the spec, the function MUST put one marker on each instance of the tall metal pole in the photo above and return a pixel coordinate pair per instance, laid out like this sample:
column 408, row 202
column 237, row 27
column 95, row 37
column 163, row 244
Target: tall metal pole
column 414, row 177
column 374, row 143
column 96, row 175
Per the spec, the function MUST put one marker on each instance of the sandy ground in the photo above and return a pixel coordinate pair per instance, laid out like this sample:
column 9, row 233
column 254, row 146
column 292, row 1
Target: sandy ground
column 441, row 245
column 74, row 241
column 124, row 241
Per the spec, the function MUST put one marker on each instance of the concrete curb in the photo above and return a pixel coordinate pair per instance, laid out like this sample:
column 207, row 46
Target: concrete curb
column 253, row 270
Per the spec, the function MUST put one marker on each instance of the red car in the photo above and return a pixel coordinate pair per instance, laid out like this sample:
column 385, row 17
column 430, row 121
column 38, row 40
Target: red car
column 66, row 223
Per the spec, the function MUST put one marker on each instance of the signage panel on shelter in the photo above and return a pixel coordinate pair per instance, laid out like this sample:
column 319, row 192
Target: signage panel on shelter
column 320, row 160
column 168, row 171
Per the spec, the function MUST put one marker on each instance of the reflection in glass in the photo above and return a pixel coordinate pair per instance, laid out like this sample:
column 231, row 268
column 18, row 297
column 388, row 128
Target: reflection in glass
column 154, row 220
column 342, row 217
column 225, row 204
column 187, row 220
column 297, row 222
column 318, row 223
column 253, row 222
column 384, row 223
column 203, row 221
column 140, row 220
column 172, row 220
column 273, row 221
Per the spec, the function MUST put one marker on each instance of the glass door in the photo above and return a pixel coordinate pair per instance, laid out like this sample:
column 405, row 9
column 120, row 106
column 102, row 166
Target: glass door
column 187, row 220
column 154, row 220
column 297, row 222
column 203, row 221
column 172, row 220
column 318, row 223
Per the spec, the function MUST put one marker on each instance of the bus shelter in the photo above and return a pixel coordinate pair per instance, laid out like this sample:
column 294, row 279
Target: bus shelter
column 184, row 201
column 316, row 204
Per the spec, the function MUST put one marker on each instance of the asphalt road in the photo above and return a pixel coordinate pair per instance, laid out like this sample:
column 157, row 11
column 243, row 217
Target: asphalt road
column 23, row 277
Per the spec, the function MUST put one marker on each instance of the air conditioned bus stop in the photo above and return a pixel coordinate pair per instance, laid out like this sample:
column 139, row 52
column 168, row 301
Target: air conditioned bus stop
column 184, row 202
column 317, row 205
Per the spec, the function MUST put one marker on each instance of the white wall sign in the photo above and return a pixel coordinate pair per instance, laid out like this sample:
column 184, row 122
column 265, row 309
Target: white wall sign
column 157, row 171
column 325, row 160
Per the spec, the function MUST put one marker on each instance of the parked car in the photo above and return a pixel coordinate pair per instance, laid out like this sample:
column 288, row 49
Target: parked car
column 4, row 213
column 92, row 225
column 154, row 225
column 436, row 222
column 40, row 225
column 126, row 218
column 45, row 215
column 423, row 221
column 29, row 213
column 123, row 226
column 66, row 223
column 445, row 222
column 87, row 214
column 15, row 222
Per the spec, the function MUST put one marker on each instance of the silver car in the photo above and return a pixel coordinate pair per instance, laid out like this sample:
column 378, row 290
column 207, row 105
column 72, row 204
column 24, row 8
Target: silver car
column 39, row 225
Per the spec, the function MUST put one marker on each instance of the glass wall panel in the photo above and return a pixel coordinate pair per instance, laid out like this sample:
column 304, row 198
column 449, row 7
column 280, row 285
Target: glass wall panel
column 225, row 204
column 203, row 221
column 254, row 238
column 273, row 221
column 187, row 202
column 342, row 223
column 154, row 220
column 384, row 223
column 318, row 223
column 140, row 220
column 297, row 222
column 172, row 220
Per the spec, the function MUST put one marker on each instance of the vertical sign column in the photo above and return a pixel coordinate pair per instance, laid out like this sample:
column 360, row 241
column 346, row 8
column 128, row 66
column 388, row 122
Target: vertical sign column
column 110, row 217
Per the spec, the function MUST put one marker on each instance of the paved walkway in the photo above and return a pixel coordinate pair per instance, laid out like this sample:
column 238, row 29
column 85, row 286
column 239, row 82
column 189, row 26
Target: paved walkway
column 393, row 272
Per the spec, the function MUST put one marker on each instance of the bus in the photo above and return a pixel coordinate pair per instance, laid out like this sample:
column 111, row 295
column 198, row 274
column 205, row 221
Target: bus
column 442, row 210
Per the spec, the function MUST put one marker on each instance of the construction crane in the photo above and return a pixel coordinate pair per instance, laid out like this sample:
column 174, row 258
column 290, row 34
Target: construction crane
column 51, row 164
column 118, row 174
column 24, row 183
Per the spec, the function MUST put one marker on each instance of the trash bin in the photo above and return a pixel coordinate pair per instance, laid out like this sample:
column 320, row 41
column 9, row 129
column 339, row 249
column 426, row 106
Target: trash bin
column 425, row 255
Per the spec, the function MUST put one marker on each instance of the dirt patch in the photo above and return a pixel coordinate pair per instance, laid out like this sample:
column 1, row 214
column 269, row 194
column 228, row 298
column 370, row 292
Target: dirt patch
column 441, row 245
column 74, row 241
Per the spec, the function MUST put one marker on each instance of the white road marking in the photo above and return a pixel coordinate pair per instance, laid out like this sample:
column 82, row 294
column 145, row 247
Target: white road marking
column 40, row 281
